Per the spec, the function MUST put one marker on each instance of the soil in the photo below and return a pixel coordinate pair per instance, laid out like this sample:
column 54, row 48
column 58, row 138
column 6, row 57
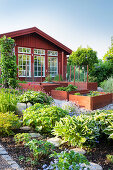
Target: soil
column 97, row 154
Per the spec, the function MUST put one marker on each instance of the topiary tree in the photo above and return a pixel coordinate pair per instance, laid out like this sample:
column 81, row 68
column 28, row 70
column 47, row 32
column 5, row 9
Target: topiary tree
column 83, row 56
column 8, row 62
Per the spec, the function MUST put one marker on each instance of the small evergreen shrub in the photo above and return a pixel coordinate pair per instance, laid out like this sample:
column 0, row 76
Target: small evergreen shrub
column 42, row 119
column 8, row 122
column 35, row 97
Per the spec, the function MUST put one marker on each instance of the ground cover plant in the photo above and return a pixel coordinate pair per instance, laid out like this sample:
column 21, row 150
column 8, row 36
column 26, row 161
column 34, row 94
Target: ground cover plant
column 69, row 88
column 42, row 118
column 35, row 97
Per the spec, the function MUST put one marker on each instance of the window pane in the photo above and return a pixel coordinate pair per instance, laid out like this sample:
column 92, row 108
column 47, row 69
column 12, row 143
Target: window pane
column 20, row 49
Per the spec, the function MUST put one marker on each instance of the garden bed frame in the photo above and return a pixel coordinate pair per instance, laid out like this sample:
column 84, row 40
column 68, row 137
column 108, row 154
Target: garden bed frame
column 64, row 95
column 92, row 103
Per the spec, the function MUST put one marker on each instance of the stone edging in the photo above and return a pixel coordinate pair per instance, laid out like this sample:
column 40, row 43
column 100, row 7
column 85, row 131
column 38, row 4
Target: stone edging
column 9, row 160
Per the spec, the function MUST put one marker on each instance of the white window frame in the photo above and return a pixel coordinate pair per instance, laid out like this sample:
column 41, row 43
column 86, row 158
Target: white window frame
column 40, row 66
column 52, row 53
column 39, row 51
column 26, row 65
column 57, row 66
column 24, row 51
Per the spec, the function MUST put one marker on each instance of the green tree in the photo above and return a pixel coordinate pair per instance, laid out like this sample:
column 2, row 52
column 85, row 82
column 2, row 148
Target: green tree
column 83, row 56
column 109, row 54
column 8, row 62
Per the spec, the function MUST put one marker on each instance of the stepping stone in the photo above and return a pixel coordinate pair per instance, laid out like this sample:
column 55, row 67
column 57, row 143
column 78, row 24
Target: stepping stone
column 35, row 135
column 78, row 150
column 93, row 166
column 55, row 141
column 26, row 128
column 22, row 106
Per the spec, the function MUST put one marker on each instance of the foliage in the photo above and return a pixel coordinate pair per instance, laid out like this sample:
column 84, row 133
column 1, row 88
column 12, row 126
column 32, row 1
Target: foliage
column 8, row 100
column 48, row 78
column 108, row 57
column 43, row 119
column 83, row 56
column 56, row 78
column 92, row 79
column 8, row 62
column 94, row 93
column 102, row 71
column 77, row 130
column 22, row 138
column 110, row 158
column 40, row 148
column 107, row 85
column 67, row 160
column 77, row 94
column 69, row 88
column 8, row 122
column 35, row 97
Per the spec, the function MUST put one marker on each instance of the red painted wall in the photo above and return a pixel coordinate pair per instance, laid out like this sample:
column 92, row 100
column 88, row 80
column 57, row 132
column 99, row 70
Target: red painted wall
column 36, row 41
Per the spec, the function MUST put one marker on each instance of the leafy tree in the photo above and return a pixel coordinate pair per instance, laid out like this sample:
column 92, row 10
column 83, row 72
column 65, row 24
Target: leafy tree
column 109, row 55
column 83, row 56
column 8, row 62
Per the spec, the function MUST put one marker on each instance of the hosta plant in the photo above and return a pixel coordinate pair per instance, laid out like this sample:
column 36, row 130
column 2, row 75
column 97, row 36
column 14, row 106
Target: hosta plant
column 40, row 148
column 8, row 122
column 67, row 160
column 76, row 130
column 35, row 97
column 43, row 119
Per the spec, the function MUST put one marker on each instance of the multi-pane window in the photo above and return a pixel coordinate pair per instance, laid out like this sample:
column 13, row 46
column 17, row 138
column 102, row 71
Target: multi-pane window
column 52, row 53
column 53, row 66
column 24, row 62
column 39, row 62
column 39, row 52
column 24, row 50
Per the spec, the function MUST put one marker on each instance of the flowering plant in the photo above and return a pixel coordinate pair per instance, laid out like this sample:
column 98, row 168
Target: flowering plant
column 67, row 160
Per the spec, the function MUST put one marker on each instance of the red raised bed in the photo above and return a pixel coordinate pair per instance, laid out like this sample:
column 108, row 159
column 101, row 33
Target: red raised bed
column 92, row 103
column 63, row 95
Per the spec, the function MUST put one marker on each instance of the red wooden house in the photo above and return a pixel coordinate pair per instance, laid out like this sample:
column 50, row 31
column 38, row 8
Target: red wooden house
column 36, row 51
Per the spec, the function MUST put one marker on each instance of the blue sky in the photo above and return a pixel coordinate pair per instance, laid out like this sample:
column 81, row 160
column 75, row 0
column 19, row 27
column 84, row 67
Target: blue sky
column 72, row 22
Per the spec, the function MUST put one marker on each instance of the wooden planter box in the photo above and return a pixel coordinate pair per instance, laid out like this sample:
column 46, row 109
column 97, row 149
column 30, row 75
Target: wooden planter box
column 63, row 95
column 92, row 103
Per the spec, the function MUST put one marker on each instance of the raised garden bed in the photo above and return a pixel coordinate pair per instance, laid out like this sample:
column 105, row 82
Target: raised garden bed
column 92, row 103
column 63, row 95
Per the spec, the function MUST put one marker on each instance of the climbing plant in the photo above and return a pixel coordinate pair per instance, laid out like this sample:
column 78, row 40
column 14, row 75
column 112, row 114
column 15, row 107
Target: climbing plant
column 8, row 62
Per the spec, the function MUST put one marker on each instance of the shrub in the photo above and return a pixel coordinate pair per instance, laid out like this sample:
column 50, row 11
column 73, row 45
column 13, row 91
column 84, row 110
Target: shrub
column 67, row 160
column 8, row 100
column 43, row 119
column 40, row 148
column 76, row 130
column 69, row 88
column 22, row 138
column 35, row 97
column 8, row 122
column 107, row 85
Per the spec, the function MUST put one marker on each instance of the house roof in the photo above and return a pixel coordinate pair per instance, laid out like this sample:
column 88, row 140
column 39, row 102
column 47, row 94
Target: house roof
column 39, row 32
